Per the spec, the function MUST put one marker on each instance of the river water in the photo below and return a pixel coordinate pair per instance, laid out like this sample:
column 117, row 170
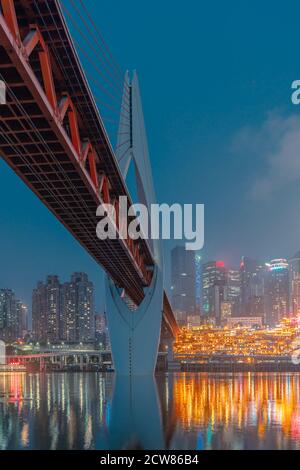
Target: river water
column 174, row 411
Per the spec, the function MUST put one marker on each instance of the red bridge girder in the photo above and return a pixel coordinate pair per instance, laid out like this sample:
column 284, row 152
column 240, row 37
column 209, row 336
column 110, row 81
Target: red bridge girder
column 60, row 148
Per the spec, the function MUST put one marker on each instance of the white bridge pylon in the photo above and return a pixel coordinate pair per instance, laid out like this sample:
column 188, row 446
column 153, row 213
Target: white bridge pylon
column 135, row 334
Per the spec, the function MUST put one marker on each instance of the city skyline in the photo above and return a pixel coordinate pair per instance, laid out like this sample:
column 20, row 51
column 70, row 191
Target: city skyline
column 268, row 291
column 202, row 260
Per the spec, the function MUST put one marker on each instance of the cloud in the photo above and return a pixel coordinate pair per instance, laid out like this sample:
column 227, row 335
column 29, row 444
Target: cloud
column 276, row 146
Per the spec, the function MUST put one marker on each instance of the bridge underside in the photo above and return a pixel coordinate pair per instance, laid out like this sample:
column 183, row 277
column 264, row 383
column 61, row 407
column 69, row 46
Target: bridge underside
column 36, row 142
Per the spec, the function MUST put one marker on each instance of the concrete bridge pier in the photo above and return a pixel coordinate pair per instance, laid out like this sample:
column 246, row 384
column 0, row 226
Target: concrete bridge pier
column 135, row 334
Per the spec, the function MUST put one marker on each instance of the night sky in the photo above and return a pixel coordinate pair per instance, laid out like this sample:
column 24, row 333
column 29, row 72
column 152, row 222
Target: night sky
column 216, row 85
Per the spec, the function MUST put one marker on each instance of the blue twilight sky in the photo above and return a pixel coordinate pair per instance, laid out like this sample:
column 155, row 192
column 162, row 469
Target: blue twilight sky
column 216, row 84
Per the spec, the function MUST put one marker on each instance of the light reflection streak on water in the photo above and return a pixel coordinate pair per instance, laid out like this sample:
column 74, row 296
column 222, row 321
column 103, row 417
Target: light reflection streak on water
column 264, row 401
column 199, row 410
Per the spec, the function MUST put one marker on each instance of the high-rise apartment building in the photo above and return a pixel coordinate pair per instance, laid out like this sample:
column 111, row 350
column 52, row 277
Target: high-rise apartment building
column 82, row 295
column 8, row 315
column 46, row 310
column 64, row 311
column 13, row 316
column 68, row 330
column 39, row 313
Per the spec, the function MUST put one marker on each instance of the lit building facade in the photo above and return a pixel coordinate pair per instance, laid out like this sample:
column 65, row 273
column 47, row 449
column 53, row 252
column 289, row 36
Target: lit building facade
column 78, row 309
column 183, row 276
column 9, row 326
column 226, row 311
column 64, row 311
column 193, row 321
column 83, row 291
column 251, row 322
column 198, row 272
column 214, row 277
column 252, row 288
column 277, row 291
column 68, row 316
column 233, row 291
column 294, row 284
column 46, row 310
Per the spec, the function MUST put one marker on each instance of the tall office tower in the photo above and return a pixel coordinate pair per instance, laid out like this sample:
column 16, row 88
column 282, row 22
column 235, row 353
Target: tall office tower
column 294, row 284
column 252, row 276
column 183, row 283
column 22, row 316
column 198, row 271
column 8, row 315
column 46, row 310
column 82, row 298
column 214, row 278
column 233, row 291
column 277, row 291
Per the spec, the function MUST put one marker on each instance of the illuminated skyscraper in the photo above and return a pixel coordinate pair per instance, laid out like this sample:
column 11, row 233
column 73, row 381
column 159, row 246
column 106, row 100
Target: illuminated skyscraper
column 183, row 283
column 252, row 296
column 8, row 315
column 233, row 291
column 277, row 292
column 198, row 272
column 294, row 284
column 213, row 290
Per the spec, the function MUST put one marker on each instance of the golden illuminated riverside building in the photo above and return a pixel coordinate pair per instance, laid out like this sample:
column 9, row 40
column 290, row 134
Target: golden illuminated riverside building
column 210, row 340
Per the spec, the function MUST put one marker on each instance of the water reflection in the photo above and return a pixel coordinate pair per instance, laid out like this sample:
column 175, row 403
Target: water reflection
column 135, row 417
column 184, row 411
